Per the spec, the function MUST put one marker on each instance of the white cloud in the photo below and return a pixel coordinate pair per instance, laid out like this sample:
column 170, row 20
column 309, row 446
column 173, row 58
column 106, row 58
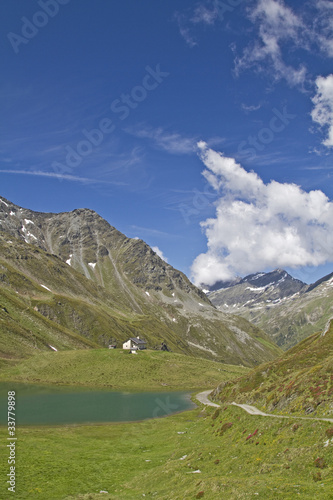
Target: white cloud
column 324, row 26
column 322, row 112
column 250, row 108
column 277, row 24
column 53, row 175
column 184, row 29
column 204, row 15
column 260, row 226
column 159, row 253
column 172, row 142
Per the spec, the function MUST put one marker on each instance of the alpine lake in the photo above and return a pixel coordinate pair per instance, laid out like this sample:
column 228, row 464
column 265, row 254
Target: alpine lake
column 62, row 405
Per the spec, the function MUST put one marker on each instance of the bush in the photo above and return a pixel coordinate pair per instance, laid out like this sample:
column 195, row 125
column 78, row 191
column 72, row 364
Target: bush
column 320, row 463
column 317, row 476
column 225, row 427
column 216, row 414
column 329, row 432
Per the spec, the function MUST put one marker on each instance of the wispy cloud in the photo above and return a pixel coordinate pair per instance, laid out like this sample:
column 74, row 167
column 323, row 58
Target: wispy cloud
column 184, row 29
column 323, row 30
column 276, row 24
column 53, row 175
column 205, row 14
column 322, row 112
column 152, row 232
column 249, row 108
column 172, row 142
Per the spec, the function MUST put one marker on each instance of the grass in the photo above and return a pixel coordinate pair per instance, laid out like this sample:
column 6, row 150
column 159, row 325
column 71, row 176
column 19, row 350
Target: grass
column 300, row 382
column 148, row 370
column 157, row 459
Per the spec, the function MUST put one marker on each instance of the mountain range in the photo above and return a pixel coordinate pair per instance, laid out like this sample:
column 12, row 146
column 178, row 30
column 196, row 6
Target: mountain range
column 71, row 280
column 287, row 309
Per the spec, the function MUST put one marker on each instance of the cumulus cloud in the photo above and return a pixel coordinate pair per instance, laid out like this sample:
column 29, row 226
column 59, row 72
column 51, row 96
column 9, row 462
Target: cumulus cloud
column 322, row 112
column 277, row 24
column 260, row 226
column 159, row 253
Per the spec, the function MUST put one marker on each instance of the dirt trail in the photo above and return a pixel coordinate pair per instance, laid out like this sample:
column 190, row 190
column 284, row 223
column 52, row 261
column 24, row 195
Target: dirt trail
column 252, row 410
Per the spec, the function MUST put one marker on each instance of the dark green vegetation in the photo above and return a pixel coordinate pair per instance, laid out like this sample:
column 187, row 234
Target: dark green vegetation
column 299, row 383
column 158, row 459
column 285, row 308
column 117, row 369
column 100, row 286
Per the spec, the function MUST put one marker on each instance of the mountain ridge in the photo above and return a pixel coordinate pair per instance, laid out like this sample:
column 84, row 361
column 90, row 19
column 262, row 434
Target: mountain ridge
column 286, row 308
column 126, row 284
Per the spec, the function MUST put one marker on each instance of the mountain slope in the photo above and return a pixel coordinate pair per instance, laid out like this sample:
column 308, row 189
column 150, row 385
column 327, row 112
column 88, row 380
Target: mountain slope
column 287, row 309
column 300, row 382
column 89, row 279
column 257, row 290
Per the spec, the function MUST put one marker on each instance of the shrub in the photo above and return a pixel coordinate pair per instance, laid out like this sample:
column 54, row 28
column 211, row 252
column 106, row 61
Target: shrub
column 200, row 494
column 216, row 414
column 317, row 476
column 295, row 427
column 329, row 432
column 225, row 427
column 320, row 463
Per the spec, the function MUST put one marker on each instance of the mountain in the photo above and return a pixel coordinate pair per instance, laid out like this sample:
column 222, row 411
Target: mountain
column 300, row 382
column 287, row 309
column 71, row 280
column 256, row 290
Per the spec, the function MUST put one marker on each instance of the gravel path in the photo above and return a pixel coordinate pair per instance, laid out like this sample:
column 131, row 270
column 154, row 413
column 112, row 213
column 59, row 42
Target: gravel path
column 252, row 410
column 203, row 398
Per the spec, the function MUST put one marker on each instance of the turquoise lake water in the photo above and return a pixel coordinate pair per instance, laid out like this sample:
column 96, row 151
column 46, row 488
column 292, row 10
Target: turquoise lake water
column 49, row 405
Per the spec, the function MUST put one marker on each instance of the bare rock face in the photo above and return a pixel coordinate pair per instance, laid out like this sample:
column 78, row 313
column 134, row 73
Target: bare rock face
column 137, row 290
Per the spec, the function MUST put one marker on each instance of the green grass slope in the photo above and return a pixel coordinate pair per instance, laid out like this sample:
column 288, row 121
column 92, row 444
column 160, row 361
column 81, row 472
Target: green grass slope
column 148, row 370
column 299, row 382
column 196, row 454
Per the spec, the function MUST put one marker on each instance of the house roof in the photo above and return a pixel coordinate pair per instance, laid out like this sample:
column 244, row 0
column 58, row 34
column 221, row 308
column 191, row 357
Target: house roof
column 138, row 341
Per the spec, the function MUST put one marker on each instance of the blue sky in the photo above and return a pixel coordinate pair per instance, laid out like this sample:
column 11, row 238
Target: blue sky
column 103, row 105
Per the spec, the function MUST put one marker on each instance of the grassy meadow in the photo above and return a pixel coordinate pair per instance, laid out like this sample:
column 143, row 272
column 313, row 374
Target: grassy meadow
column 201, row 453
column 117, row 369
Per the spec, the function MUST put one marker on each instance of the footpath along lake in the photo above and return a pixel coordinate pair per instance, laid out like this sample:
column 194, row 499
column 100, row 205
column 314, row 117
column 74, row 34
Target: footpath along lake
column 49, row 405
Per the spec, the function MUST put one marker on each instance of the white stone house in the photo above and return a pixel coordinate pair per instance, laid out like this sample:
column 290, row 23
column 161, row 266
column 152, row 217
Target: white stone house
column 135, row 343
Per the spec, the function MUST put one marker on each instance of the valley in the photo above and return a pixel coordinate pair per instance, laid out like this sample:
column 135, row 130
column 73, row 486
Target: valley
column 71, row 285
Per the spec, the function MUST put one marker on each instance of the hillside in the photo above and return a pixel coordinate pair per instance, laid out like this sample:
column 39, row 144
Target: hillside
column 300, row 382
column 71, row 280
column 117, row 369
column 202, row 453
column 285, row 308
